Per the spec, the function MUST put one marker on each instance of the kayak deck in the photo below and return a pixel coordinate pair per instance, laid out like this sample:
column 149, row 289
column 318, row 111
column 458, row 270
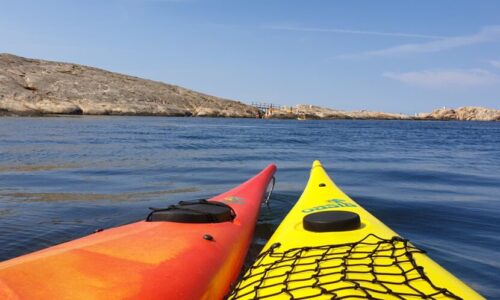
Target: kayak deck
column 335, row 261
column 147, row 259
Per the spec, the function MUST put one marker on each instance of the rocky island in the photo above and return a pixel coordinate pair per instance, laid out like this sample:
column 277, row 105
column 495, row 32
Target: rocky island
column 469, row 113
column 34, row 87
column 313, row 112
column 37, row 87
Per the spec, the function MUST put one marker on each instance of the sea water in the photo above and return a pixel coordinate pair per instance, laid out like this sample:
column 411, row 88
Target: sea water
column 435, row 183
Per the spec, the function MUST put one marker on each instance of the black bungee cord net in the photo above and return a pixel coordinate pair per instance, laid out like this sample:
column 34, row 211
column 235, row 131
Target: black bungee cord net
column 372, row 268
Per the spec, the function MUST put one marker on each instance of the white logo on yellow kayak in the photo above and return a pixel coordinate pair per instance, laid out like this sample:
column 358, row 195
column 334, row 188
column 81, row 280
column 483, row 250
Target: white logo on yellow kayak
column 233, row 200
column 333, row 203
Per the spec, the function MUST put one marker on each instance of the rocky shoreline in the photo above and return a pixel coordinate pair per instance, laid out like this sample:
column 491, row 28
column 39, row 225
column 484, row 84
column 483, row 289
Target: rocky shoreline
column 32, row 87
column 469, row 113
column 38, row 87
column 311, row 112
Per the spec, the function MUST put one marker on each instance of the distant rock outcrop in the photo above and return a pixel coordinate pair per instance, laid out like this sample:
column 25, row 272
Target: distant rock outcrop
column 38, row 87
column 31, row 87
column 467, row 113
column 305, row 111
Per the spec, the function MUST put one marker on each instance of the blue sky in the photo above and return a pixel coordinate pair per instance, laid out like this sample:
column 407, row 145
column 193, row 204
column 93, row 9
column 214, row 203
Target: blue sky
column 396, row 56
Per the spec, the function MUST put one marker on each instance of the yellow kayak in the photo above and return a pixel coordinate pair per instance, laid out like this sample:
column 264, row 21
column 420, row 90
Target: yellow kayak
column 329, row 247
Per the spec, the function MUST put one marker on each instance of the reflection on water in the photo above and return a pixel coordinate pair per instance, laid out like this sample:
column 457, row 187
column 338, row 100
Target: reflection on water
column 34, row 168
column 57, row 197
column 436, row 183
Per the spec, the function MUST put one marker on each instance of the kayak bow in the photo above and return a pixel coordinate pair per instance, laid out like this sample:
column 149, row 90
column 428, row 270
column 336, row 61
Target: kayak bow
column 193, row 250
column 329, row 247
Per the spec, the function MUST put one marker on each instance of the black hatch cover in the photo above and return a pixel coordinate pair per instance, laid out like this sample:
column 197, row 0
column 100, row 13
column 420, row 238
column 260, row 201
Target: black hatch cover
column 331, row 221
column 197, row 211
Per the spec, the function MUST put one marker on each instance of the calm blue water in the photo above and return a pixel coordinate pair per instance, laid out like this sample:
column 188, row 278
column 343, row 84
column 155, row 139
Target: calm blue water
column 436, row 183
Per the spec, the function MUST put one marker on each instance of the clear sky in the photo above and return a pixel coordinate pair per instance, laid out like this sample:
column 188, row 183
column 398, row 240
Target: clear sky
column 395, row 56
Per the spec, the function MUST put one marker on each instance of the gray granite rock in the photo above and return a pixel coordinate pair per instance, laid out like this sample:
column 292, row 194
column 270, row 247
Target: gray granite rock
column 37, row 87
column 312, row 112
column 468, row 113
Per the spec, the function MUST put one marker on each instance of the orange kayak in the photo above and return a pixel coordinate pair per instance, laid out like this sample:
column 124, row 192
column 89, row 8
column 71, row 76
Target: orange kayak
column 192, row 250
